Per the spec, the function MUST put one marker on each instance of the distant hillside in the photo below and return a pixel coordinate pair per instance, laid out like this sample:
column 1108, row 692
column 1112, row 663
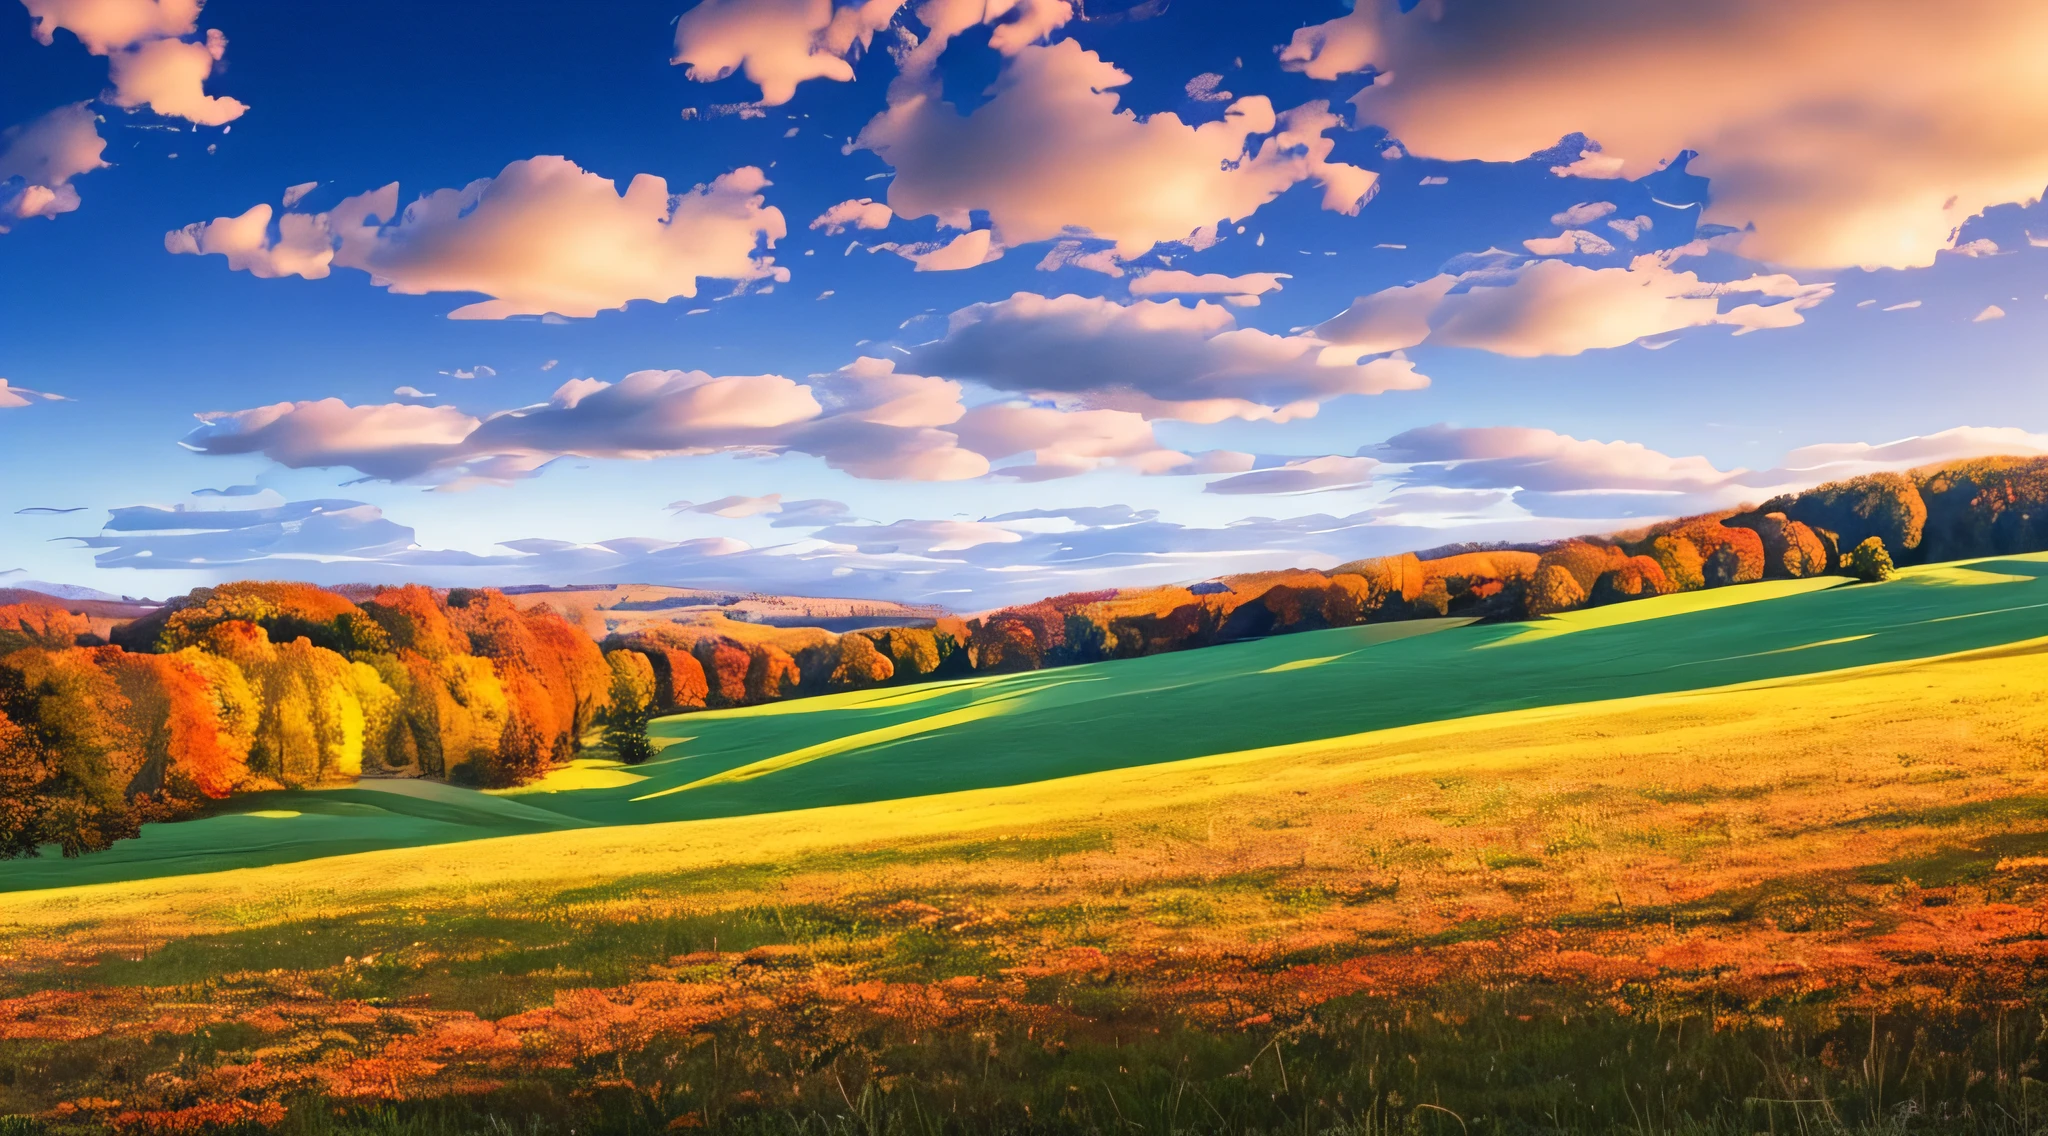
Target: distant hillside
column 604, row 609
column 102, row 612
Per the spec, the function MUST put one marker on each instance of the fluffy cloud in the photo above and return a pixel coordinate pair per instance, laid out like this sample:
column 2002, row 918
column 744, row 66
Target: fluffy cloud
column 1551, row 307
column 1800, row 113
column 857, row 213
column 1556, row 475
column 1572, row 242
column 922, row 537
column 1242, row 291
column 302, row 245
column 393, row 441
column 967, row 564
column 39, row 158
column 778, row 44
column 1164, row 360
column 867, row 419
column 733, row 506
column 1050, row 154
column 1063, row 443
column 106, row 26
column 309, row 532
column 1454, row 485
column 168, row 77
column 968, row 250
column 1947, row 445
column 1303, row 475
column 14, row 398
column 1559, row 476
column 149, row 62
column 544, row 236
column 1502, row 457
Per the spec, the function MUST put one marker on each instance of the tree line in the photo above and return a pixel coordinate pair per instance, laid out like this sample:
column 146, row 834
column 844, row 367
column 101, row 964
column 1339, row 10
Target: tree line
column 254, row 686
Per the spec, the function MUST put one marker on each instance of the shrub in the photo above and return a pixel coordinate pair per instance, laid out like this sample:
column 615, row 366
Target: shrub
column 1870, row 562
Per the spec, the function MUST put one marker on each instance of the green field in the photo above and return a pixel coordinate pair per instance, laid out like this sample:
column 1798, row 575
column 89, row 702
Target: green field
column 907, row 741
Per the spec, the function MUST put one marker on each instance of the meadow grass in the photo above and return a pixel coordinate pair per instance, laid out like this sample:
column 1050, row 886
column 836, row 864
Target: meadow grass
column 994, row 731
column 1810, row 901
column 1816, row 903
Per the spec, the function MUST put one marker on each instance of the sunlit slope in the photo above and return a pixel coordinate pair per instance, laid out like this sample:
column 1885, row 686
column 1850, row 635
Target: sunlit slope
column 1006, row 730
column 1792, row 757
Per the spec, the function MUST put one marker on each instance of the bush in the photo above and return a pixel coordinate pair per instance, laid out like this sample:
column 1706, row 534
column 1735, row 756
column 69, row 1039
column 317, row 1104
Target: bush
column 1870, row 562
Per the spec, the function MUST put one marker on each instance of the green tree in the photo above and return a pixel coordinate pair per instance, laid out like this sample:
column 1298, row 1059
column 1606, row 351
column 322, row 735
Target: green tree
column 632, row 705
column 1870, row 562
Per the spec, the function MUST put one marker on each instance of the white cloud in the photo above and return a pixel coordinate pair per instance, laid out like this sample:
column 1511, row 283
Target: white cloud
column 105, row 26
column 1800, row 115
column 734, row 506
column 1207, row 88
column 1091, row 255
column 293, row 194
column 1551, row 307
column 858, row 213
column 1633, row 228
column 543, row 237
column 301, row 246
column 14, row 398
column 1946, row 445
column 1063, row 443
column 1303, row 475
column 922, row 537
column 1990, row 312
column 149, row 62
column 1582, row 214
column 1163, row 360
column 1174, row 282
column 778, row 44
column 968, row 250
column 39, row 158
column 1571, row 242
column 413, row 392
column 168, row 76
column 1049, row 155
column 477, row 372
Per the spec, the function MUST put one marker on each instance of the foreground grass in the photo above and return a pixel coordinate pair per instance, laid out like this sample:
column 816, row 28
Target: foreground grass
column 1808, row 904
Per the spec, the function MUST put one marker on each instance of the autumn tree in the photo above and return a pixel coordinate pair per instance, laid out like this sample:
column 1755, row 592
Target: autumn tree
column 1003, row 646
column 1349, row 600
column 1585, row 561
column 1791, row 549
column 1388, row 576
column 725, row 666
column 1984, row 507
column 65, row 762
column 1888, row 506
column 771, row 673
column 1554, row 589
column 859, row 665
column 1680, row 561
column 39, row 625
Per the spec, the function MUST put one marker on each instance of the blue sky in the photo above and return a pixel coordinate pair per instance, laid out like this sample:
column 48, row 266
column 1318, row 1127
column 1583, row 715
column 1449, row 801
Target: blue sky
column 1542, row 361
